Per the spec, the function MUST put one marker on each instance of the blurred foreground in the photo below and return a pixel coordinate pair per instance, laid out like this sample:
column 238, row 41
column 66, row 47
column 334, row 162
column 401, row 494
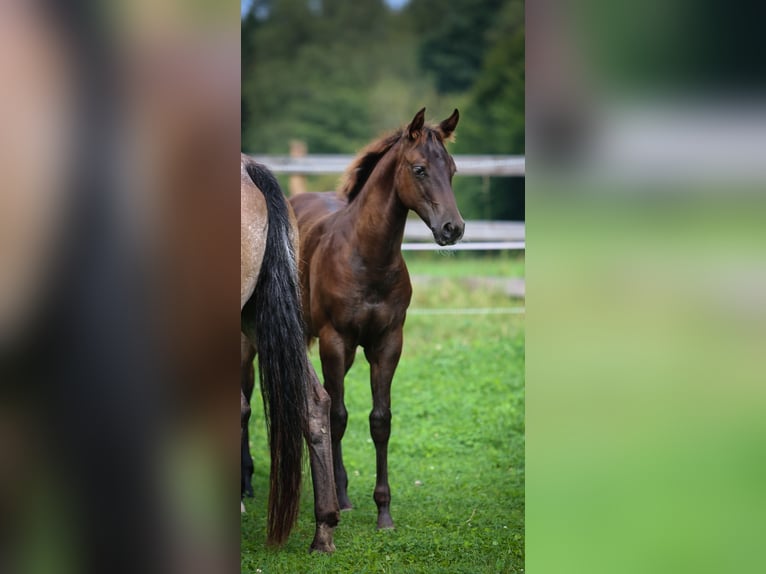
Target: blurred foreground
column 118, row 271
column 646, row 289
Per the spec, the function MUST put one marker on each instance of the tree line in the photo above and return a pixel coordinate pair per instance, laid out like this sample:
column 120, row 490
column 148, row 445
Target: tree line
column 337, row 73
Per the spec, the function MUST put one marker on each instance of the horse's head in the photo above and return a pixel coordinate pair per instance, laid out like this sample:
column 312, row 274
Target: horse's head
column 424, row 177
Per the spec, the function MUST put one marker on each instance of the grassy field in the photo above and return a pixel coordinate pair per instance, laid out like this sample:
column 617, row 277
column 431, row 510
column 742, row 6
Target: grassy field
column 456, row 454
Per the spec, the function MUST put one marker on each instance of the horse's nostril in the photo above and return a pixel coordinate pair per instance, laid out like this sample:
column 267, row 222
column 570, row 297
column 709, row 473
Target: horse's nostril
column 447, row 228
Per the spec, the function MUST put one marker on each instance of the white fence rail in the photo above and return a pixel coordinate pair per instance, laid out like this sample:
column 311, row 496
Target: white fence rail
column 479, row 235
column 317, row 164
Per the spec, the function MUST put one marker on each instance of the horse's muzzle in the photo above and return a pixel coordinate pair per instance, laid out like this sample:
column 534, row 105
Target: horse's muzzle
column 449, row 233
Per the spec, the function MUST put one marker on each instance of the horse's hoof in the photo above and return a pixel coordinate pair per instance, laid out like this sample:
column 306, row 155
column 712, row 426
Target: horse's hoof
column 344, row 503
column 241, row 507
column 385, row 523
column 323, row 548
column 323, row 539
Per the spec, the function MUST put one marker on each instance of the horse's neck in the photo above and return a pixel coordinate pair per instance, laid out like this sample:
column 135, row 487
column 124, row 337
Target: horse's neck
column 379, row 216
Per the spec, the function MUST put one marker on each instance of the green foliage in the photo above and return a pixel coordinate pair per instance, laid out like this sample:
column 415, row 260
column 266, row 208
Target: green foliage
column 452, row 40
column 494, row 120
column 495, row 110
column 458, row 429
column 336, row 74
column 306, row 73
column 464, row 264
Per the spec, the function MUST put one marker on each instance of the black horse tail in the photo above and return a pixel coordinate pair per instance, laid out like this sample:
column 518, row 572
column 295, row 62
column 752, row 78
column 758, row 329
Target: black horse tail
column 272, row 320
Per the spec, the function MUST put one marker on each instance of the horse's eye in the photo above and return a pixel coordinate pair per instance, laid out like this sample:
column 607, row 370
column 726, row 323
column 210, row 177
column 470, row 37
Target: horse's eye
column 419, row 170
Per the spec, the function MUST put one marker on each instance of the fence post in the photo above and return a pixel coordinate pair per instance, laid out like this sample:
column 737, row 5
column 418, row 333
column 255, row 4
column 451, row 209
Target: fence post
column 297, row 183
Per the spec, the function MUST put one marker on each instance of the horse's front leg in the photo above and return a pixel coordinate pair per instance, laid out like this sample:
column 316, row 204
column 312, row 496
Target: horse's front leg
column 383, row 359
column 326, row 509
column 337, row 358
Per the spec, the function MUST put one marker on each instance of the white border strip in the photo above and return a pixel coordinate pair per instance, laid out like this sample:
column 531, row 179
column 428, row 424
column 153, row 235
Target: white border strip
column 476, row 311
column 472, row 246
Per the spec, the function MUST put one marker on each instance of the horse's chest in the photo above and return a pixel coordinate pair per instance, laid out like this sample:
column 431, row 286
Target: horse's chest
column 379, row 313
column 374, row 310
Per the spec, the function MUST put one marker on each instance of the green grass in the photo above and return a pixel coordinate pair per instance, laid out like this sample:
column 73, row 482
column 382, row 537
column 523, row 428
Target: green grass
column 458, row 429
column 457, row 264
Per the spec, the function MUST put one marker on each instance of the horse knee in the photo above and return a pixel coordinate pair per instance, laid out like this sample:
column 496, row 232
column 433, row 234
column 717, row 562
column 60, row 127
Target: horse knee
column 244, row 411
column 338, row 418
column 380, row 424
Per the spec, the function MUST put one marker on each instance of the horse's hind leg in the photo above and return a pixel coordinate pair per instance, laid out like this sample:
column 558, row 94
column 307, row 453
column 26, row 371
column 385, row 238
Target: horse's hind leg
column 326, row 509
column 245, row 473
column 247, row 382
column 336, row 361
column 383, row 359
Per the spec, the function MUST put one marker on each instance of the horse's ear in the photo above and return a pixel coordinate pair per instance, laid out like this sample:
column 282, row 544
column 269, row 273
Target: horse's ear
column 448, row 126
column 416, row 124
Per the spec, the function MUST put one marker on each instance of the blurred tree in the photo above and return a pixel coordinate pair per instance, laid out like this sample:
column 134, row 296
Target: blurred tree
column 494, row 119
column 453, row 38
column 307, row 68
column 336, row 74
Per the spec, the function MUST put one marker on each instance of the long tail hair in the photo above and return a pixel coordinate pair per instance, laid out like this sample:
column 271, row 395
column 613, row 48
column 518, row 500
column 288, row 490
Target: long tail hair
column 273, row 321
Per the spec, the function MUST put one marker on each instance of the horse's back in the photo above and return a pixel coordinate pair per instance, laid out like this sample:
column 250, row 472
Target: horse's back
column 312, row 207
column 313, row 213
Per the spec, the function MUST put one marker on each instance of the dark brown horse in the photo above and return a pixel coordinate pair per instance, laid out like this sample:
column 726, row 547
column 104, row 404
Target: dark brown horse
column 295, row 403
column 356, row 288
